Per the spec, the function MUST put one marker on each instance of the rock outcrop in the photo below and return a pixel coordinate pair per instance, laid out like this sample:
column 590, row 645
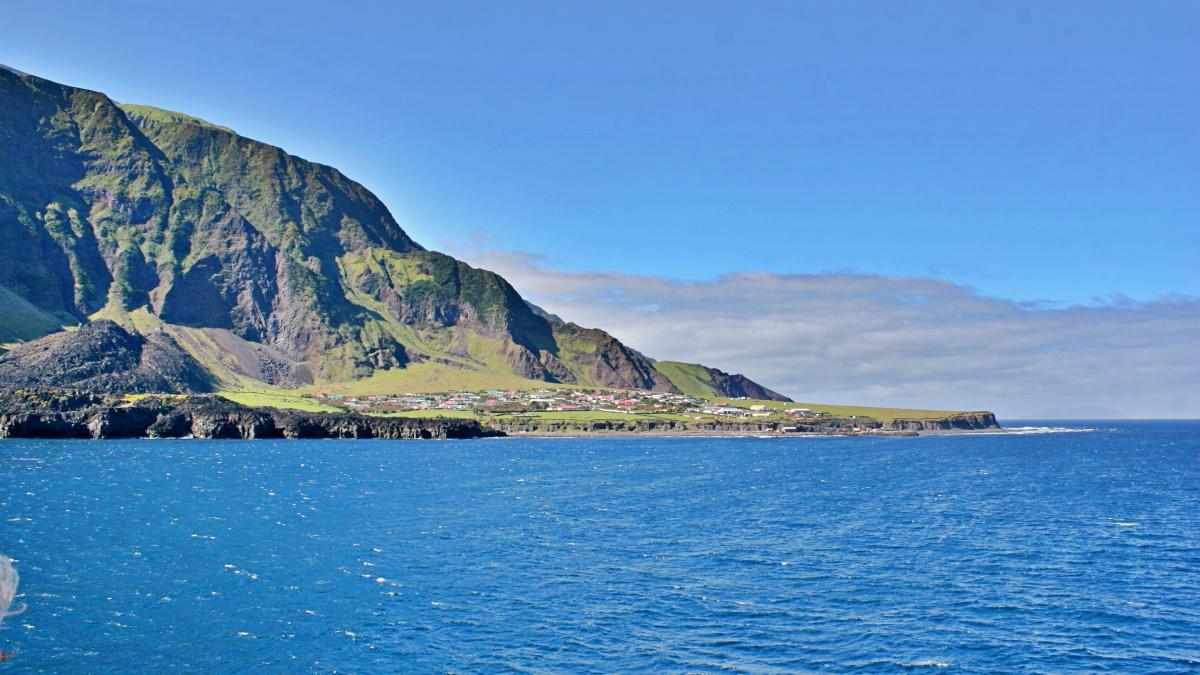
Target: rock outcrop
column 43, row 414
column 740, row 386
column 103, row 356
column 706, row 382
column 960, row 422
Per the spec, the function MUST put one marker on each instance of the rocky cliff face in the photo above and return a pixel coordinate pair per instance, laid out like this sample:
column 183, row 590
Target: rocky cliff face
column 963, row 421
column 294, row 271
column 65, row 414
column 739, row 385
column 44, row 413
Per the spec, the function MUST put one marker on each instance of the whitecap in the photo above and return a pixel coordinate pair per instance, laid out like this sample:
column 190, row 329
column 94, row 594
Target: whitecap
column 8, row 587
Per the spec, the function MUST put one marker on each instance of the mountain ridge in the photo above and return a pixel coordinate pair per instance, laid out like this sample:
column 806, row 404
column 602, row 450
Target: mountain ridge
column 257, row 265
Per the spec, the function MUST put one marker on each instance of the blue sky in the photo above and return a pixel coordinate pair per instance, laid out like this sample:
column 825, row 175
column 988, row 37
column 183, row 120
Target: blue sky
column 952, row 204
column 1033, row 151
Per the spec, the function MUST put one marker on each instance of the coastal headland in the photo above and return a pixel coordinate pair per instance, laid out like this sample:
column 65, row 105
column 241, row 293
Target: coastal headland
column 79, row 414
column 163, row 276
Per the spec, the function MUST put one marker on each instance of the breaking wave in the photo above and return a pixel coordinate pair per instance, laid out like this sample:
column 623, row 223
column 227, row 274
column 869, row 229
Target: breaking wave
column 1024, row 431
column 8, row 588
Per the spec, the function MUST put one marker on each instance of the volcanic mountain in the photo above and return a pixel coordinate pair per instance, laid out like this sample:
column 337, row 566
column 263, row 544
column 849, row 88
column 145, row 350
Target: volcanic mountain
column 147, row 250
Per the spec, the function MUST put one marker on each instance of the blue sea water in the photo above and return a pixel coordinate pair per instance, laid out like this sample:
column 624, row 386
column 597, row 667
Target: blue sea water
column 993, row 553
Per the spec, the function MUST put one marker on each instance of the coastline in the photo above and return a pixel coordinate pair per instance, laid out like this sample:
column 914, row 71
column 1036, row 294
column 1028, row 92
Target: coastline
column 66, row 414
column 61, row 415
column 999, row 431
column 700, row 433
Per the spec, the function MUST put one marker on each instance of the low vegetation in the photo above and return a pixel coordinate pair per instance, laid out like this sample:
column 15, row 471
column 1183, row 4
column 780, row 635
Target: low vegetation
column 849, row 411
column 690, row 378
column 428, row 377
column 426, row 397
column 264, row 399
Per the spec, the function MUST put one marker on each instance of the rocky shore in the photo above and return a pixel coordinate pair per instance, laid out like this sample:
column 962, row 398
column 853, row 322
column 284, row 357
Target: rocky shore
column 40, row 413
column 819, row 425
column 68, row 414
column 660, row 427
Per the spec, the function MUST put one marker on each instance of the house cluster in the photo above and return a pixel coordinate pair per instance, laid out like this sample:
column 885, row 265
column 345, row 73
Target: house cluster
column 556, row 400
column 512, row 401
column 727, row 411
column 609, row 400
column 756, row 410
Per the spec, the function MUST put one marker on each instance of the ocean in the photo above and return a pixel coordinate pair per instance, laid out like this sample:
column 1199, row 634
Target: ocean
column 1051, row 552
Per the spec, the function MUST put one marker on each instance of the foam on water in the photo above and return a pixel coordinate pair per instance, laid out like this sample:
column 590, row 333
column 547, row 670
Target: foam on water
column 1044, row 430
column 1024, row 431
column 8, row 588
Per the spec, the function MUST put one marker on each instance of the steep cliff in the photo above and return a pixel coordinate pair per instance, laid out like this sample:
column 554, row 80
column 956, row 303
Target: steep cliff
column 252, row 263
column 958, row 422
column 73, row 414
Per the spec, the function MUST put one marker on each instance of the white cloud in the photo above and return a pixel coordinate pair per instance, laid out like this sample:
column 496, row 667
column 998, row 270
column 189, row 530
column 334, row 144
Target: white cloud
column 892, row 341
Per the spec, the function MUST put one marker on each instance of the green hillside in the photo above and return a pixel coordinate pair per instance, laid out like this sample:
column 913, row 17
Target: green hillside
column 260, row 267
column 706, row 382
column 690, row 378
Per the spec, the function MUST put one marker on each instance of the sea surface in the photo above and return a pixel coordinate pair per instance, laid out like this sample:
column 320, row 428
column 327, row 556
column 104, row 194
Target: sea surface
column 1049, row 552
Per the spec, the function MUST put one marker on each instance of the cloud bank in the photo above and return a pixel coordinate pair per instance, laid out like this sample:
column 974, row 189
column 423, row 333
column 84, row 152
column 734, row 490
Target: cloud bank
column 892, row 341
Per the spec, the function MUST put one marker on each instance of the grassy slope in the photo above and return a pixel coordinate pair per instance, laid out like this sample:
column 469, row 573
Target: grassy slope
column 881, row 414
column 276, row 399
column 485, row 371
column 429, row 377
column 185, row 172
column 20, row 320
column 167, row 116
column 690, row 378
column 195, row 342
column 254, row 170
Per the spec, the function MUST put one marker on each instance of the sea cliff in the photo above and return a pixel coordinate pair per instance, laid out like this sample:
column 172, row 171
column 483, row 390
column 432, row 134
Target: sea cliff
column 959, row 422
column 39, row 413
column 29, row 414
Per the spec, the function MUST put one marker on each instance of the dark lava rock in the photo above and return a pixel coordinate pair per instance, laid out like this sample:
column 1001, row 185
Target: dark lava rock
column 104, row 357
column 740, row 386
column 73, row 414
column 960, row 422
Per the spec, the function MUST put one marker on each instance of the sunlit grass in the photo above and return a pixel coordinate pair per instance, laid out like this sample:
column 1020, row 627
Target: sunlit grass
column 879, row 414
column 258, row 399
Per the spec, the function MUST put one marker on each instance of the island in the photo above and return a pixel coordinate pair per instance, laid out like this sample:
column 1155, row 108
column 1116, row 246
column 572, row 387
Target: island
column 163, row 276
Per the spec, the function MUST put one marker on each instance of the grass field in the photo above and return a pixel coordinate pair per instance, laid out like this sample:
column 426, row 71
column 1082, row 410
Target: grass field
column 262, row 399
column 880, row 414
